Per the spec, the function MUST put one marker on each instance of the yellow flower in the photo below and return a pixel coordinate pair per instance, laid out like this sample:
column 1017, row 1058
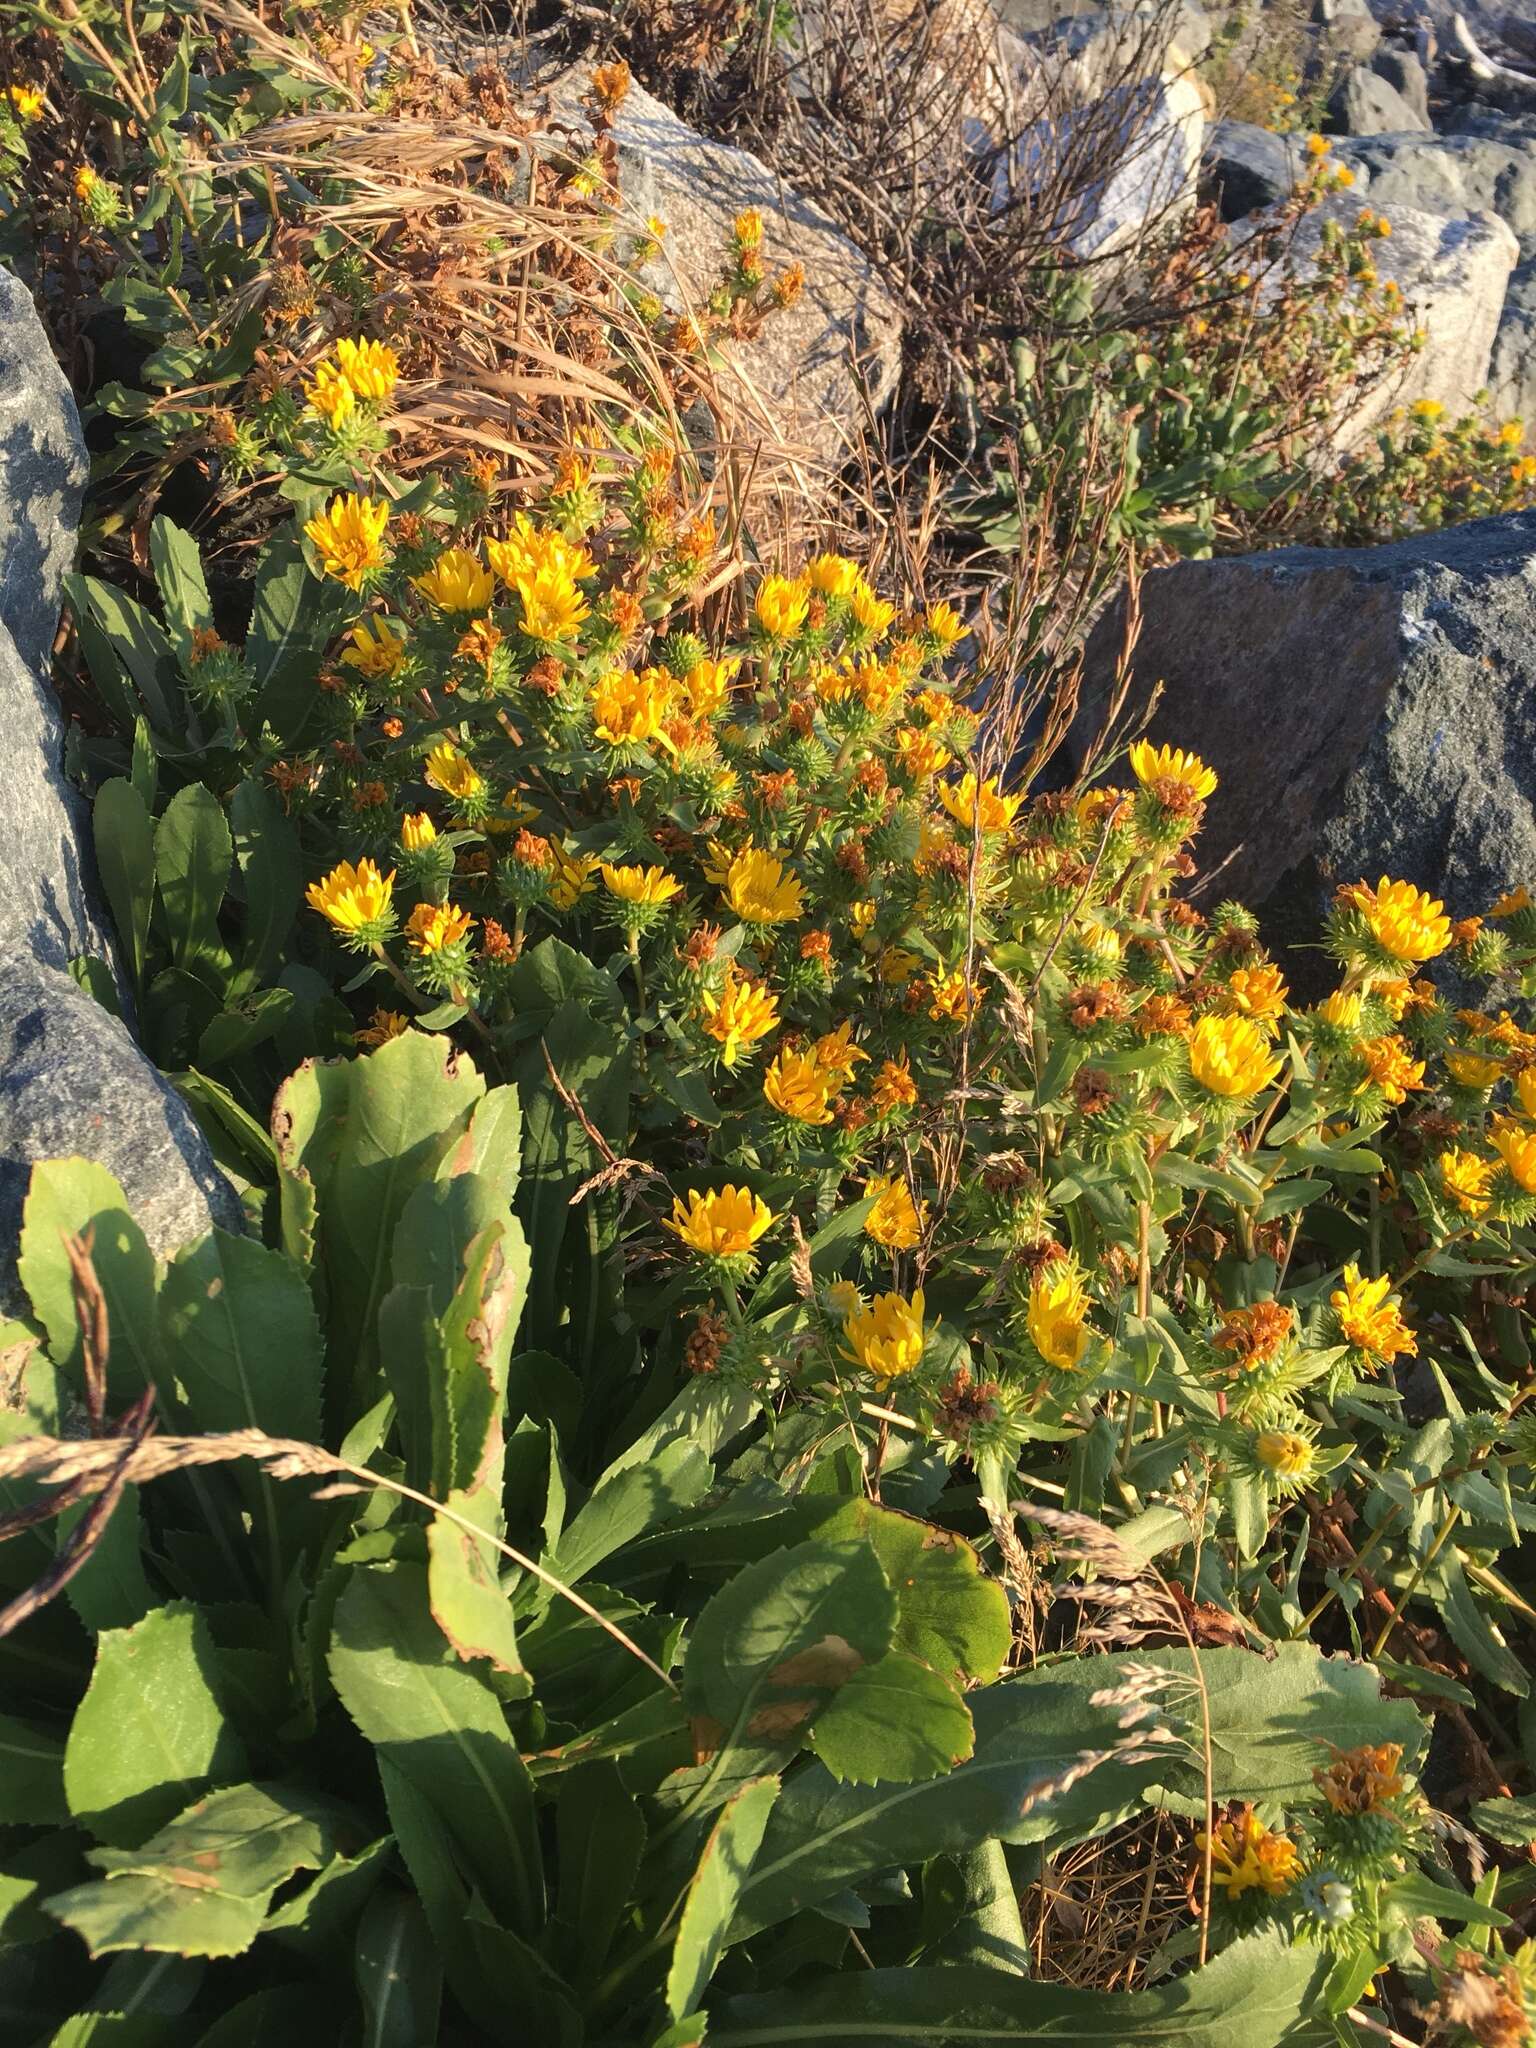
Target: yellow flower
column 348, row 537
column 433, row 926
column 528, row 549
column 722, row 1223
column 952, row 997
column 1426, row 408
column 1525, row 1089
column 707, row 685
column 896, row 966
column 369, row 367
column 553, row 607
column 894, row 1087
column 639, row 885
column 1229, row 1056
column 1472, row 1070
column 798, row 1088
column 448, row 770
column 782, row 605
column 377, row 651
column 417, row 831
column 837, row 1055
column 747, row 227
column 934, row 706
column 833, row 576
column 1284, row 1452
column 1175, row 778
column 1516, row 1146
column 759, row 891
column 1259, row 993
column 871, row 613
column 629, row 709
column 458, row 581
column 1403, row 920
column 573, row 878
column 1340, row 1010
column 922, row 755
column 1318, row 145
column 330, row 394
column 1465, row 1179
column 352, row 898
column 1057, row 1316
column 86, row 182
column 1368, row 1318
column 945, row 624
column 861, row 916
column 382, row 1026
column 1391, row 1067
column 970, row 804
column 887, row 1337
column 895, row 1221
column 1512, row 902
column 27, row 101
column 742, row 1013
column 1246, row 1855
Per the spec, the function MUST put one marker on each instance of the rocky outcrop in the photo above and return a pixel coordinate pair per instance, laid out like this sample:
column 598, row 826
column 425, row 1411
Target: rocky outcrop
column 71, row 1078
column 1245, row 168
column 1368, row 710
column 1473, row 172
column 1365, row 103
column 802, row 374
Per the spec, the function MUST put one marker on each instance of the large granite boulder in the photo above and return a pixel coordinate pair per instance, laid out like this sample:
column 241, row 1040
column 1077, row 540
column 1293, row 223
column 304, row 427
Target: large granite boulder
column 1364, row 103
column 1512, row 364
column 42, row 473
column 807, row 364
column 1245, row 168
column 1369, row 711
column 1468, row 172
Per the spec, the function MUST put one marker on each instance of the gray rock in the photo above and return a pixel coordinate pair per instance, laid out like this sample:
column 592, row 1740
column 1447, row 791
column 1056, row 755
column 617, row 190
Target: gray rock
column 1369, row 711
column 1348, row 28
column 1512, row 364
column 1404, row 72
column 42, row 473
column 1450, row 174
column 1363, row 103
column 74, row 1084
column 1150, row 152
column 1245, row 167
column 805, row 365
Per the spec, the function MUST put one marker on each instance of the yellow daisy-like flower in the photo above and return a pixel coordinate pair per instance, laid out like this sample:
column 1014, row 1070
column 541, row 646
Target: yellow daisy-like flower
column 1340, row 1010
column 86, row 182
column 743, row 1013
column 708, row 684
column 1426, row 408
column 458, row 581
column 1369, row 1318
column 723, row 1223
column 377, row 648
column 449, row 770
column 871, row 613
column 629, row 709
column 382, row 1026
column 1318, row 145
column 553, row 606
column 934, row 706
column 1230, row 1057
column 1175, row 778
column 1284, row 1452
column 417, row 831
column 944, row 624
column 349, row 537
column 1057, row 1316
column 352, row 898
column 1403, row 920
column 887, row 1338
column 922, row 755
column 529, row 548
column 369, row 367
column 1246, row 1855
column 1465, row 1178
column 971, row 804
column 573, row 878
column 1516, row 1146
column 836, row 1054
column 27, row 101
column 760, row 891
column 1259, row 993
column 1391, row 1067
column 1473, row 1069
column 833, row 576
column 952, row 997
column 798, row 1088
column 330, row 394
column 782, row 605
column 639, row 885
column 895, row 1221
column 1525, row 1090
column 432, row 927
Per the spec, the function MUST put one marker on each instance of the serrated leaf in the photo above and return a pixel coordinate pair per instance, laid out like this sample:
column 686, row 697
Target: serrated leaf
column 468, row 1603
column 67, row 1197
column 193, row 851
column 714, row 1891
column 600, row 1837
column 626, row 1503
column 895, row 1721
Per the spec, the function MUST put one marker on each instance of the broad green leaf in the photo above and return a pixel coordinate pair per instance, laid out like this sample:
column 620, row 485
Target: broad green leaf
column 1510, row 1821
column 1471, row 1628
column 317, row 1918
column 150, row 1733
column 66, row 1197
column 896, row 1721
column 714, row 1892
column 294, row 618
column 183, row 591
column 232, row 1032
column 443, row 1729
column 275, row 2018
column 241, row 1843
column 193, row 851
column 31, row 1774
column 1420, row 1896
column 950, row 1614
column 125, row 859
column 271, row 870
column 468, row 1603
column 118, row 634
column 110, row 1589
column 780, row 1637
column 628, row 1502
column 399, row 1976
column 600, row 1836
column 242, row 1338
column 1256, row 1993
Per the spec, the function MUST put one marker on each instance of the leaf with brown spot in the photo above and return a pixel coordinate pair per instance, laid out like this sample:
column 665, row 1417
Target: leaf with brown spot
column 831, row 1662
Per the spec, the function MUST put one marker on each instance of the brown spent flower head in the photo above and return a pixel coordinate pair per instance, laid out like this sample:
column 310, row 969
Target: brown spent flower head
column 706, row 1342
column 546, row 676
column 965, row 1404
column 1093, row 1004
column 496, row 941
column 1092, row 1090
column 1361, row 1780
column 698, row 949
column 1252, row 1336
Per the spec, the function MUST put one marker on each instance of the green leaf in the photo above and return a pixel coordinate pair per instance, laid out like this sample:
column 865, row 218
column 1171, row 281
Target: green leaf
column 1470, row 1626
column 780, row 1637
column 31, row 1774
column 628, row 1502
column 68, row 1197
column 144, row 768
column 125, row 859
column 714, row 1891
column 202, row 1885
column 442, row 1729
column 242, row 1338
column 294, row 618
column 894, row 1721
column 1419, row 1897
column 950, row 1614
column 600, row 1837
column 233, row 1032
column 468, row 1603
column 1510, row 1821
column 315, row 1920
column 150, row 1732
column 271, row 870
column 184, row 594
column 399, row 1976
column 193, row 851
column 110, row 1589
column 267, row 2019
column 118, row 634
column 1256, row 1992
